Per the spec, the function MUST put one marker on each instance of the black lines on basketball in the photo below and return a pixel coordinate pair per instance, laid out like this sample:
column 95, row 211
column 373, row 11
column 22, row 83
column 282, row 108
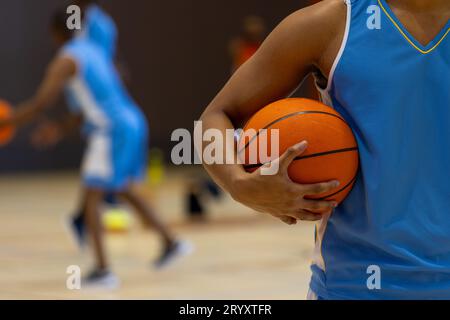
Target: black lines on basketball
column 332, row 152
column 344, row 188
column 314, row 155
column 300, row 113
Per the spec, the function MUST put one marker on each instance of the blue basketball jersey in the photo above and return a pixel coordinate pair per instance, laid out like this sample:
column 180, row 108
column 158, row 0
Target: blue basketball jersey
column 97, row 90
column 101, row 29
column 117, row 130
column 390, row 239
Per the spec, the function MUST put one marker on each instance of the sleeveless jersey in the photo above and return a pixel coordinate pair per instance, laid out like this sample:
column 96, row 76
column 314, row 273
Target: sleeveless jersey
column 97, row 90
column 390, row 239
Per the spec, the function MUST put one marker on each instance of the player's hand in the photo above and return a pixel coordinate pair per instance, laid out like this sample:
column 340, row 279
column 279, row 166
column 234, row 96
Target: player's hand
column 46, row 135
column 279, row 196
column 5, row 123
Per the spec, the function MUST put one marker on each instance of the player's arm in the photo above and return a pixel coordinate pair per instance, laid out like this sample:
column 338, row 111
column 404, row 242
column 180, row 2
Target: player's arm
column 58, row 73
column 294, row 49
column 49, row 133
column 71, row 123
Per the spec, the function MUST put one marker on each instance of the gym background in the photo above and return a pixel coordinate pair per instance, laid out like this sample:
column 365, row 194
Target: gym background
column 176, row 53
column 175, row 56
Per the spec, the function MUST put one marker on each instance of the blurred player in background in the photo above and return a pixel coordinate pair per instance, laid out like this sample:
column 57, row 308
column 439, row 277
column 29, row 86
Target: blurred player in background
column 244, row 46
column 99, row 28
column 115, row 159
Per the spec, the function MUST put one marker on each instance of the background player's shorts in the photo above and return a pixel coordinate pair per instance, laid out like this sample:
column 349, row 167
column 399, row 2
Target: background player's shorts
column 115, row 160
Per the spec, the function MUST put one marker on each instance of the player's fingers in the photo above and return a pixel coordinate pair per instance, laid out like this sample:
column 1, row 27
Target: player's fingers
column 317, row 206
column 288, row 220
column 307, row 216
column 292, row 153
column 318, row 188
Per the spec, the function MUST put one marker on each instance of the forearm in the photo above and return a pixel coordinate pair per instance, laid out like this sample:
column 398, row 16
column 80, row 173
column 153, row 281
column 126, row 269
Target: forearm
column 58, row 72
column 25, row 113
column 70, row 124
column 225, row 175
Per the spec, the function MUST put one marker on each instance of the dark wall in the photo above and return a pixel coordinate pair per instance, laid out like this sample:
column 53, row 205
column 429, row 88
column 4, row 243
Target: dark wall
column 176, row 52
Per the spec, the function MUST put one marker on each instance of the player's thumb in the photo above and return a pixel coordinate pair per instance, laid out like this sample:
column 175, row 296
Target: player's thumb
column 292, row 153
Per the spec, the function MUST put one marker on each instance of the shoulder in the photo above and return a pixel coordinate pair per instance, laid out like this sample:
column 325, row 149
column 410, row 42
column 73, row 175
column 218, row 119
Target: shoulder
column 331, row 9
column 72, row 53
column 311, row 32
column 321, row 19
column 62, row 67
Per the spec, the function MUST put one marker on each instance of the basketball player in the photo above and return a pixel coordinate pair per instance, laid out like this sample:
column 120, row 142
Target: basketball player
column 116, row 155
column 101, row 29
column 385, row 66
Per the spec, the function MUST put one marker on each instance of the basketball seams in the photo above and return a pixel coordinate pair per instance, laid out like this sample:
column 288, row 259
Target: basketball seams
column 348, row 185
column 326, row 153
column 285, row 117
column 299, row 113
column 314, row 155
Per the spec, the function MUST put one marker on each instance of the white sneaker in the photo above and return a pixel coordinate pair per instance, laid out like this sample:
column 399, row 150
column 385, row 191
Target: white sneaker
column 176, row 251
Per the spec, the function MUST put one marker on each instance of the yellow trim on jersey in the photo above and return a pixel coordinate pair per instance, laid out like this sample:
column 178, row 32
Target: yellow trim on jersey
column 407, row 37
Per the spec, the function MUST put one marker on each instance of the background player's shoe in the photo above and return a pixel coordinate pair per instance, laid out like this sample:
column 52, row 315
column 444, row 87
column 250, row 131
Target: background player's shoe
column 101, row 279
column 173, row 252
column 77, row 229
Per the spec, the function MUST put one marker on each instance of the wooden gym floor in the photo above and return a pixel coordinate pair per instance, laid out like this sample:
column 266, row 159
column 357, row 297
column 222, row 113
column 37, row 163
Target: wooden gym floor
column 239, row 254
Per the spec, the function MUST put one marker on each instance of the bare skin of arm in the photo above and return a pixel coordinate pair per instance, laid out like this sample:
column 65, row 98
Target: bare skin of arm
column 307, row 41
column 58, row 73
column 49, row 133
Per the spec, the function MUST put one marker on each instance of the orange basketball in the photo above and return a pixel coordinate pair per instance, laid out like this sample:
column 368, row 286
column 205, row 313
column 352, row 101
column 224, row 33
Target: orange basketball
column 332, row 152
column 6, row 134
